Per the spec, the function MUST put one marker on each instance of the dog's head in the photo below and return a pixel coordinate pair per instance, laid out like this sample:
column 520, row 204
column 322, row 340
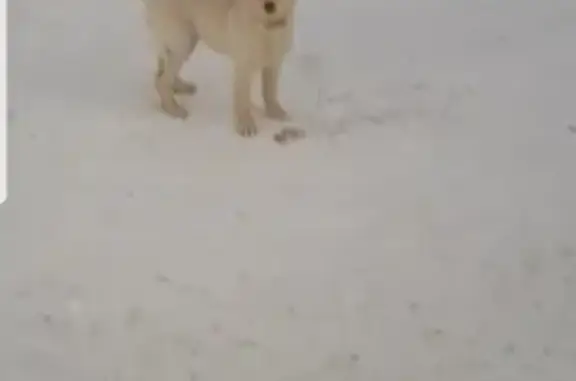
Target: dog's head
column 273, row 13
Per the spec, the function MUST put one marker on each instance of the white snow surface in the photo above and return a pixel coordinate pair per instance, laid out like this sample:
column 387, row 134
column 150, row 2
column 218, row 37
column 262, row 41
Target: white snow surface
column 425, row 229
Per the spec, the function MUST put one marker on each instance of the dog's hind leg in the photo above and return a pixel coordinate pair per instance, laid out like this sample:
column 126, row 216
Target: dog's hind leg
column 169, row 66
column 181, row 86
column 176, row 41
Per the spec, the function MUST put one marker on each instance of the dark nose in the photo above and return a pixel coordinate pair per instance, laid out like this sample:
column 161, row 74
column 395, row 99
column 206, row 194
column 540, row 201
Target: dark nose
column 270, row 7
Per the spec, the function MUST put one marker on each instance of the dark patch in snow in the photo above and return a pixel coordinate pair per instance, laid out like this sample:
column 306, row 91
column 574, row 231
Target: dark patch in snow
column 289, row 135
column 433, row 334
column 161, row 278
column 420, row 86
column 537, row 305
column 291, row 311
column 47, row 318
column 134, row 317
column 572, row 128
column 216, row 328
column 340, row 362
column 354, row 357
column 510, row 349
column 414, row 307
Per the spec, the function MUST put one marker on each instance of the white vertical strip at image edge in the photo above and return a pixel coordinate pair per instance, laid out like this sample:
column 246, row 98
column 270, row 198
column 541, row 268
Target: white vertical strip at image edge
column 3, row 108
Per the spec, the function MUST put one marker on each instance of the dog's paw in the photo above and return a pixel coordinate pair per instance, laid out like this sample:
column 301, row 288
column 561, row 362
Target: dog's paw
column 175, row 110
column 246, row 127
column 275, row 111
column 184, row 87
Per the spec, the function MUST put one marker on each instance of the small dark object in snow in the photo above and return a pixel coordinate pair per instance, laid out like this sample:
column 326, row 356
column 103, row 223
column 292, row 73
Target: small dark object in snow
column 414, row 307
column 47, row 318
column 510, row 349
column 572, row 128
column 134, row 316
column 289, row 134
column 161, row 278
column 354, row 357
column 433, row 334
column 216, row 328
column 537, row 305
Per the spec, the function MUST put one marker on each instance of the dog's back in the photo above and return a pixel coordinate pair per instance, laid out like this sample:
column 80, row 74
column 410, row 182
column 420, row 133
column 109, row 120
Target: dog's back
column 207, row 18
column 222, row 23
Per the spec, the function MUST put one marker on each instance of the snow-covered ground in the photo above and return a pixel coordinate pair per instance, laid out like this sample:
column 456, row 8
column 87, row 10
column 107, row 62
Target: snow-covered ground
column 424, row 230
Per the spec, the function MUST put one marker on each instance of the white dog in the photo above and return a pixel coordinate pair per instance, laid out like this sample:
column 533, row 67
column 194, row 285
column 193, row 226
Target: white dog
column 254, row 34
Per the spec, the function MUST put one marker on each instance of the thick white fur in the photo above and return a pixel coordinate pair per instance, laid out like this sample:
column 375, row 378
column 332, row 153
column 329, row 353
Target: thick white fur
column 255, row 41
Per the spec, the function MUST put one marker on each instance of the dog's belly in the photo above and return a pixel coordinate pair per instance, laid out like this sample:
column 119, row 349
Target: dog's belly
column 214, row 36
column 255, row 49
column 275, row 45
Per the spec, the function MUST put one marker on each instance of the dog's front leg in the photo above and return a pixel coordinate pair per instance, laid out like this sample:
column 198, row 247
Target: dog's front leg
column 244, row 121
column 270, row 79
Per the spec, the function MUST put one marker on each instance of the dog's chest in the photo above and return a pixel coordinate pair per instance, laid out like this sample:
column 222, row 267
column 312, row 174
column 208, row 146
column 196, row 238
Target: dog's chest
column 274, row 44
column 226, row 31
column 265, row 47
